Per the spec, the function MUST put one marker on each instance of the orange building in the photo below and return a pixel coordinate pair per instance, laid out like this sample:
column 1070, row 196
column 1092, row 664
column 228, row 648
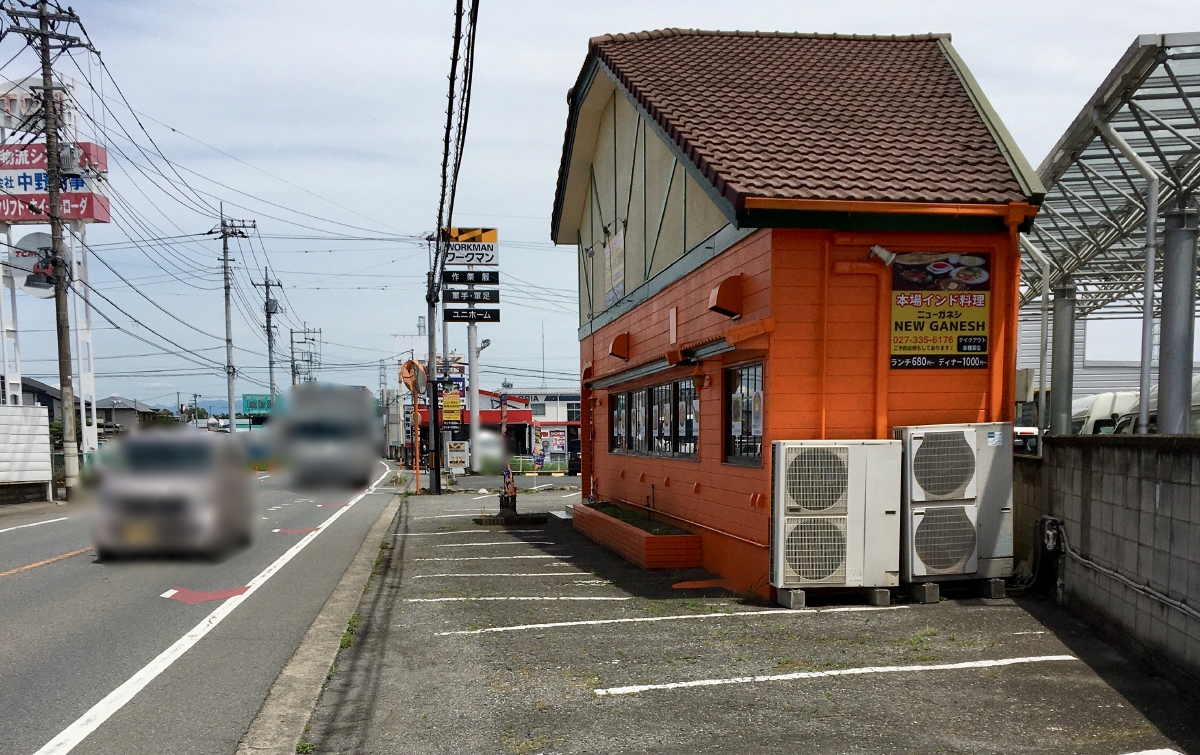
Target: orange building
column 780, row 237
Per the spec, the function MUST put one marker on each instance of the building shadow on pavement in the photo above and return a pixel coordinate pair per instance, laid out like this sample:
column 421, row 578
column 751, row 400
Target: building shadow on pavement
column 1173, row 706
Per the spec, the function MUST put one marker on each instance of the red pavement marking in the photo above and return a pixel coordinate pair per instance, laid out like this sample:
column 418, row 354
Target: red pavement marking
column 184, row 595
column 296, row 532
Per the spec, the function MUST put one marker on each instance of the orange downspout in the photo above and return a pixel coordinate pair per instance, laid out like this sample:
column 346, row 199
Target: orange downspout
column 882, row 334
column 824, row 327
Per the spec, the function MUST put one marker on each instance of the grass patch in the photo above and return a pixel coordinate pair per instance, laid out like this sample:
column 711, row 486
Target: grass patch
column 305, row 748
column 351, row 628
column 640, row 521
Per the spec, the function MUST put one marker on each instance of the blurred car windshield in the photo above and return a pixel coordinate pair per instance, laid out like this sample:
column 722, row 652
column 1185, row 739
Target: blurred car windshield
column 150, row 457
column 325, row 430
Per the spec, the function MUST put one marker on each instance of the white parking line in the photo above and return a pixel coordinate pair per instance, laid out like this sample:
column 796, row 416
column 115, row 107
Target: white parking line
column 457, row 532
column 476, row 498
column 71, row 736
column 168, row 593
column 1017, row 633
column 682, row 617
column 1155, row 752
column 445, row 516
column 482, row 558
column 636, row 688
column 503, row 542
column 527, row 574
column 569, row 495
column 538, row 487
column 461, row 600
column 34, row 524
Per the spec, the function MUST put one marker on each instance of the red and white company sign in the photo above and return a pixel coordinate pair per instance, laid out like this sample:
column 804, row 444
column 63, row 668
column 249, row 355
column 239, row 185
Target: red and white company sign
column 23, row 182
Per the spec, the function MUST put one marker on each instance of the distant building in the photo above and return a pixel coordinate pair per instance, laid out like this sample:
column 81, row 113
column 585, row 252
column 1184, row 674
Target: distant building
column 121, row 415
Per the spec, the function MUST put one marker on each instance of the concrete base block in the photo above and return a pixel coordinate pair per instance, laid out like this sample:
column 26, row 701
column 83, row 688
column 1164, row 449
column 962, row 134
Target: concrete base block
column 992, row 588
column 793, row 599
column 924, row 593
column 877, row 596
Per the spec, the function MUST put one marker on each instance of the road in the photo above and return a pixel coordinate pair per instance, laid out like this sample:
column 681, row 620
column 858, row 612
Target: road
column 75, row 631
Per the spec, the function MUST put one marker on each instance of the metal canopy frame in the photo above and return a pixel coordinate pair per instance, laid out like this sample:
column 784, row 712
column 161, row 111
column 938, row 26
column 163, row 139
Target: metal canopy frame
column 1092, row 224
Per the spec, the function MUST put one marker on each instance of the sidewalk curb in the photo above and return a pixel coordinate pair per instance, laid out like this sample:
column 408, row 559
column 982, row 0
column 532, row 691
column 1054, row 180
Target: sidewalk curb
column 280, row 722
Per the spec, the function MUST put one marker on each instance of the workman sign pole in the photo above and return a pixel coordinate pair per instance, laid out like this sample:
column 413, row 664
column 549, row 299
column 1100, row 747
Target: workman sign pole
column 412, row 374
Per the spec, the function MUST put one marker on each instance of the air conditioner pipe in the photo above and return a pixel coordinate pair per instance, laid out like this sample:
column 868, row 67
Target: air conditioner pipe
column 1152, row 179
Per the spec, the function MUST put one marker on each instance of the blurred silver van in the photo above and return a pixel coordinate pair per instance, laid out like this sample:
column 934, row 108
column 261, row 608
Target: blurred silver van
column 171, row 491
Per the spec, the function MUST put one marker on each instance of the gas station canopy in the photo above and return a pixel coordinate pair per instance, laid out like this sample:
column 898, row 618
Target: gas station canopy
column 1092, row 225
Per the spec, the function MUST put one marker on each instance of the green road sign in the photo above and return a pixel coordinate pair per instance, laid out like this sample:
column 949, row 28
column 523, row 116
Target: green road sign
column 256, row 404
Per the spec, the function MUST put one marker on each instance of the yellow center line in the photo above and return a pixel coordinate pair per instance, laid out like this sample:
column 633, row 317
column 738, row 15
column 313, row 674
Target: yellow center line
column 36, row 564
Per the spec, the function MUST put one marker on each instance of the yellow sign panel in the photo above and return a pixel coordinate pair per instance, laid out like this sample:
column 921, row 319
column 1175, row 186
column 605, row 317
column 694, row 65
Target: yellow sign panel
column 452, row 407
column 471, row 235
column 941, row 311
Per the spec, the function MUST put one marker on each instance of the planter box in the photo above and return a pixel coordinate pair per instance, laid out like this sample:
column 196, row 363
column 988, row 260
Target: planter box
column 635, row 544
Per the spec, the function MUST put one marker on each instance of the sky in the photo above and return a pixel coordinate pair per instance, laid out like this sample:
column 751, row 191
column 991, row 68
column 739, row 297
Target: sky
column 322, row 120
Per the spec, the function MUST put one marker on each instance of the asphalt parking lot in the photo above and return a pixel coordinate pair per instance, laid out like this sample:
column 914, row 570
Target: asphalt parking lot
column 536, row 640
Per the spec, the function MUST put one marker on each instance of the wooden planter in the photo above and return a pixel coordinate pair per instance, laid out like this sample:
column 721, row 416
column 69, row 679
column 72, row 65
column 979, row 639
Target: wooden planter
column 635, row 544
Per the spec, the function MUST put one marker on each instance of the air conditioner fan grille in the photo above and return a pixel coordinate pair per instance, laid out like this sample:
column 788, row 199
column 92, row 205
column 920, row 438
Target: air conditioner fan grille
column 817, row 479
column 944, row 464
column 945, row 539
column 815, row 549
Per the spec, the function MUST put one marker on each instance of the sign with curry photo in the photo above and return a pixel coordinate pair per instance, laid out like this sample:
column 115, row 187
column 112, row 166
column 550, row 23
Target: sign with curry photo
column 941, row 306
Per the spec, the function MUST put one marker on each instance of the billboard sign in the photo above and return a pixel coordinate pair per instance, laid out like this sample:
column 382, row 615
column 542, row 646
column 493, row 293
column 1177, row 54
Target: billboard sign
column 472, row 295
column 31, row 263
column 471, row 246
column 941, row 310
column 256, row 404
column 458, row 454
column 471, row 315
column 452, row 407
column 23, row 183
column 470, row 277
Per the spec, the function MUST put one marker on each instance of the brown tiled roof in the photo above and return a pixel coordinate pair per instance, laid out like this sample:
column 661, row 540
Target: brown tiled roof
column 798, row 116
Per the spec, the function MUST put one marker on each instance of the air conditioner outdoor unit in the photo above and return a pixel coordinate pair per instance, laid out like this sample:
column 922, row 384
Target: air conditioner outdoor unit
column 835, row 513
column 957, row 519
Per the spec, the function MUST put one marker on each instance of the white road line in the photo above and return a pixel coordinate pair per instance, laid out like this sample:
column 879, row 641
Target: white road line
column 538, row 487
column 458, row 532
column 35, row 524
column 168, row 593
column 482, row 558
column 526, row 574
column 569, row 495
column 1155, row 752
column 634, row 689
column 476, row 498
column 1017, row 633
column 648, row 619
column 461, row 600
column 71, row 736
column 503, row 542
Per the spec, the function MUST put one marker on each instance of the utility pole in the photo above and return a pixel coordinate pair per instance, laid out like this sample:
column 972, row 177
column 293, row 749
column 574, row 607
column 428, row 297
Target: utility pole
column 196, row 409
column 309, row 338
column 431, row 399
column 227, row 229
column 271, row 308
column 49, row 34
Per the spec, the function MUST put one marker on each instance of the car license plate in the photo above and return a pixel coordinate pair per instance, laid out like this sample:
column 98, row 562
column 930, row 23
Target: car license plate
column 138, row 533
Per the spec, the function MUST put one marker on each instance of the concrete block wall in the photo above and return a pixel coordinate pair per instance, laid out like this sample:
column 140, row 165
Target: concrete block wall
column 1130, row 505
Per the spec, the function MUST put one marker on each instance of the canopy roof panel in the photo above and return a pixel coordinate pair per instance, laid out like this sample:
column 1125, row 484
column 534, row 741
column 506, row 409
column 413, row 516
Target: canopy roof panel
column 1092, row 224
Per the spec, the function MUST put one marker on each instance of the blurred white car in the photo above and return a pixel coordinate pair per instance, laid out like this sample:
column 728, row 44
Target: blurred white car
column 169, row 492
